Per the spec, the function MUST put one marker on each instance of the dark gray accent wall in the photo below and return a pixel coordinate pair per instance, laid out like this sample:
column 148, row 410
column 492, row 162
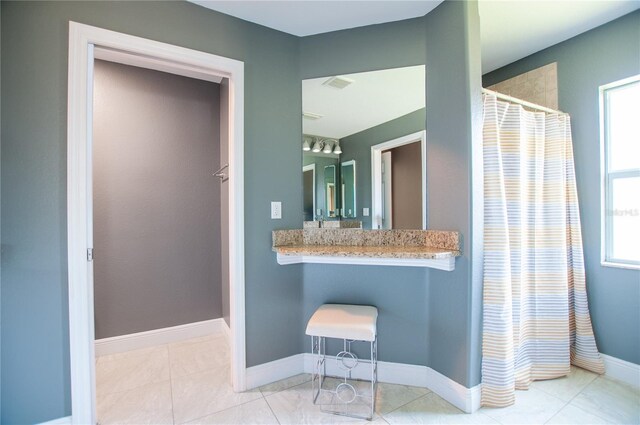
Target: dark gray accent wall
column 156, row 228
column 406, row 184
column 425, row 317
column 35, row 342
column 358, row 147
column 605, row 54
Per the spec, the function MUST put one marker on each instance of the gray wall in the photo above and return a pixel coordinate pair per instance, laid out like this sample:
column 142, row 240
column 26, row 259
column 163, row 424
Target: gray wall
column 600, row 56
column 358, row 146
column 156, row 204
column 454, row 202
column 406, row 184
column 35, row 353
column 426, row 317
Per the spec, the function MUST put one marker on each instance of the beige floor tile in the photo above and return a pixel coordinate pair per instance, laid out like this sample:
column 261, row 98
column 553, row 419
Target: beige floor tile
column 388, row 396
column 216, row 337
column 148, row 404
column 132, row 353
column 295, row 406
column 611, row 400
column 254, row 412
column 391, row 396
column 198, row 356
column 284, row 384
column 201, row 394
column 567, row 387
column 125, row 371
column 571, row 415
column 531, row 407
column 432, row 409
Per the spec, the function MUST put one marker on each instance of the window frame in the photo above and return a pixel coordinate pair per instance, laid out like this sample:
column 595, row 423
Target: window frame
column 607, row 178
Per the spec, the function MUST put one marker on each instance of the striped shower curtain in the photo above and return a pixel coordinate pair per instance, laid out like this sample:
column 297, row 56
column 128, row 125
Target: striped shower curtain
column 535, row 315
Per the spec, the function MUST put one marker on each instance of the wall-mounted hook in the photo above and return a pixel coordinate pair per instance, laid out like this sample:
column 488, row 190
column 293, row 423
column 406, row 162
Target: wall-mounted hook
column 220, row 174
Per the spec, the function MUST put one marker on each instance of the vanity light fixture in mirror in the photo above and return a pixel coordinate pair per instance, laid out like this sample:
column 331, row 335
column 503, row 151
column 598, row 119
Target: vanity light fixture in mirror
column 306, row 144
column 321, row 145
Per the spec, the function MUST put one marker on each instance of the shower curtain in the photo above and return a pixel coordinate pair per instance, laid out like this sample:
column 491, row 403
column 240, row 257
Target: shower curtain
column 535, row 315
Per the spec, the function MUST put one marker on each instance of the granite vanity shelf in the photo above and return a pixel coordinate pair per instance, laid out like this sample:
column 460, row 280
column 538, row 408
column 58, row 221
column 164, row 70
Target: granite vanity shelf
column 413, row 248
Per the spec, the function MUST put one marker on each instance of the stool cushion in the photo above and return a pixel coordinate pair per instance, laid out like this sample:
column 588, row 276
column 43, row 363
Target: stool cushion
column 344, row 321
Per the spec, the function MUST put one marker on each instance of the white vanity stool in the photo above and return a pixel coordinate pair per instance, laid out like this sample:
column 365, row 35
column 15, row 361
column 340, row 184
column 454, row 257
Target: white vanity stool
column 350, row 323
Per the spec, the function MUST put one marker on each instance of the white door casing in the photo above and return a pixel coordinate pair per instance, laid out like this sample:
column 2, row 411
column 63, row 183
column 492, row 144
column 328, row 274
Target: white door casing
column 85, row 44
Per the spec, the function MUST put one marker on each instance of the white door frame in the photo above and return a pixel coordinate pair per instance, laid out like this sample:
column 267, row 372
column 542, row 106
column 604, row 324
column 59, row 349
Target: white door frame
column 168, row 58
column 386, row 210
column 376, row 174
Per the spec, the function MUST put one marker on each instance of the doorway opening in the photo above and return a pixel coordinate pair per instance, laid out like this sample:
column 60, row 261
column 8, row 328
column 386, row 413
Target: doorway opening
column 397, row 201
column 86, row 44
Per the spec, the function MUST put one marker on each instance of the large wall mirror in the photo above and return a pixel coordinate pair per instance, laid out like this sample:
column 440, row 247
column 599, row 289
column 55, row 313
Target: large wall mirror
column 363, row 148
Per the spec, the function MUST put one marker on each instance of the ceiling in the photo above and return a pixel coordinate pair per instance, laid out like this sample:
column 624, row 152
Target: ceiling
column 371, row 99
column 304, row 17
column 510, row 29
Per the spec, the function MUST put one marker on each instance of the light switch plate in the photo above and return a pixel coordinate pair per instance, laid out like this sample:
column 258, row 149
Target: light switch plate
column 276, row 210
column 365, row 212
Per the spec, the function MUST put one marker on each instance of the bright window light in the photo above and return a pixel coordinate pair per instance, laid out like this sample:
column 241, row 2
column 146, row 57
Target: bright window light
column 620, row 130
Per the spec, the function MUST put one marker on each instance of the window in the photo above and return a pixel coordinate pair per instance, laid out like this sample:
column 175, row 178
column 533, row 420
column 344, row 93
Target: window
column 620, row 139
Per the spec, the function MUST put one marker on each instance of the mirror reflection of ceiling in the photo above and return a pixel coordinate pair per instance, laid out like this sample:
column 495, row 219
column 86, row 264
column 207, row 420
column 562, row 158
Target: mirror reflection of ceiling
column 367, row 100
column 509, row 29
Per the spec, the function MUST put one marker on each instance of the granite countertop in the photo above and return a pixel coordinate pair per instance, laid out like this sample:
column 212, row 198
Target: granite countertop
column 360, row 243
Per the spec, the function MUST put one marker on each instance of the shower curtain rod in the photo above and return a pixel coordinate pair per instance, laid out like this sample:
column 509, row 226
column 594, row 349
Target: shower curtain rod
column 521, row 102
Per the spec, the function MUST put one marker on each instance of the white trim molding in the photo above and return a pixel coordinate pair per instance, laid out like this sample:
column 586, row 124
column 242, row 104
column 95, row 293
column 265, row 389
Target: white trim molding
column 83, row 41
column 622, row 370
column 466, row 399
column 446, row 264
column 135, row 341
column 60, row 421
column 276, row 370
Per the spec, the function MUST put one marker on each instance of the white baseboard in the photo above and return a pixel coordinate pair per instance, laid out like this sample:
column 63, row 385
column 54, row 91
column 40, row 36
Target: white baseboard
column 390, row 373
column 266, row 373
column 622, row 370
column 466, row 399
column 119, row 344
column 226, row 329
column 60, row 421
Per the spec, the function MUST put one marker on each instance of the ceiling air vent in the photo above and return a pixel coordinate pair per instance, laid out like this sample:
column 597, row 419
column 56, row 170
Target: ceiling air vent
column 311, row 116
column 338, row 82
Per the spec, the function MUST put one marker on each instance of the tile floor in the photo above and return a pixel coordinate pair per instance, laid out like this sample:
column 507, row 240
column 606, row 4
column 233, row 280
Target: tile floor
column 188, row 382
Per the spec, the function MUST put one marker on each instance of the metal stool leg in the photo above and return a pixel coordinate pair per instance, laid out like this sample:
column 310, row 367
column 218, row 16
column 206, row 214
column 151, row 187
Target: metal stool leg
column 374, row 374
